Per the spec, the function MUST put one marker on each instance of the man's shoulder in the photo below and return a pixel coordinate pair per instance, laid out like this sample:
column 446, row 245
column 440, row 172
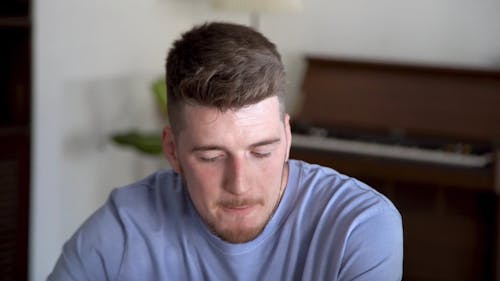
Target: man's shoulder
column 148, row 200
column 131, row 213
column 144, row 190
column 329, row 190
column 345, row 221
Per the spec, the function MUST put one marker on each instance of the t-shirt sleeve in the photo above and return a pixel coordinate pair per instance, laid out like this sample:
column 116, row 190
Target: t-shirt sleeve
column 374, row 249
column 95, row 251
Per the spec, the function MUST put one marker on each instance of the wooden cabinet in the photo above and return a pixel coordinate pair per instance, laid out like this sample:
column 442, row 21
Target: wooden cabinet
column 15, row 137
column 451, row 215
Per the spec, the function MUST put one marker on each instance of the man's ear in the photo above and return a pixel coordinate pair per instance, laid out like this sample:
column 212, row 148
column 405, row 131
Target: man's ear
column 288, row 135
column 169, row 148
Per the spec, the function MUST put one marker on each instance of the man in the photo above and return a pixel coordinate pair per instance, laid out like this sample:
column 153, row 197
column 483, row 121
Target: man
column 234, row 207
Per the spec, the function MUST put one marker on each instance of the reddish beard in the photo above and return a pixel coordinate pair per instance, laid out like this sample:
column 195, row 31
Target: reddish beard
column 236, row 231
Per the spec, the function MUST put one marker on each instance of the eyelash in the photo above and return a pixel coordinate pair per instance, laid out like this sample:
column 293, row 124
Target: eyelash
column 208, row 160
column 262, row 155
column 256, row 154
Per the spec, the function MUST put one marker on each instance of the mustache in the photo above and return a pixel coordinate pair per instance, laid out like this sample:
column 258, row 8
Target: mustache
column 236, row 202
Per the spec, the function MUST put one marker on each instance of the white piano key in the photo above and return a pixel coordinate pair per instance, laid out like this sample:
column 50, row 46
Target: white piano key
column 391, row 151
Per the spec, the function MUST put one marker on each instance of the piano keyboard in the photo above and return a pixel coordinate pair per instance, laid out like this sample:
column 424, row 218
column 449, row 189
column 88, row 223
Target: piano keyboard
column 391, row 151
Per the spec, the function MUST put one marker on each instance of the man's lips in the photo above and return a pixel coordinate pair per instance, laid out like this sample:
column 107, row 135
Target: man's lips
column 240, row 206
column 239, row 209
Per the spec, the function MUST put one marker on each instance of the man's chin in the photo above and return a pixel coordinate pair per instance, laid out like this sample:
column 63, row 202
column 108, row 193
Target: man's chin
column 239, row 225
column 239, row 235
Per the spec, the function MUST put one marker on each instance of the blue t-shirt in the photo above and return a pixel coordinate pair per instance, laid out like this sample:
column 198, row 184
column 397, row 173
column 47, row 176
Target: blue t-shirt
column 327, row 227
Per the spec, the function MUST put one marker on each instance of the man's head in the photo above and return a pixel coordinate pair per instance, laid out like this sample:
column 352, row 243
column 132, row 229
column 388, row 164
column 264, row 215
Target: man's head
column 222, row 65
column 230, row 137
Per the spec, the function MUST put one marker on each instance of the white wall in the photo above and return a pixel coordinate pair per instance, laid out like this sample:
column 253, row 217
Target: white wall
column 94, row 60
column 445, row 32
column 93, row 64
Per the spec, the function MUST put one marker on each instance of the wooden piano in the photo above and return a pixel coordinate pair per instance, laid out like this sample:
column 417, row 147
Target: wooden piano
column 428, row 138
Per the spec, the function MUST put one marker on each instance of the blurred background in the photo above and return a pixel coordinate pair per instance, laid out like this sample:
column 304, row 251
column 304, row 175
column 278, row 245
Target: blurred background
column 73, row 73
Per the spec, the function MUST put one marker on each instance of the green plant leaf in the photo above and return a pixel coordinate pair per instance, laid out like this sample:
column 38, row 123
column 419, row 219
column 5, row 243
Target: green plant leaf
column 159, row 88
column 149, row 143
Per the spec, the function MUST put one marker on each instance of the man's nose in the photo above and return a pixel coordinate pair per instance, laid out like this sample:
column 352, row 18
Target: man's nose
column 235, row 176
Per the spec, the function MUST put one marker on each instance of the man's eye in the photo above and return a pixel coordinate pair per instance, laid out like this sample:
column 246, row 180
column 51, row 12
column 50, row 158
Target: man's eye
column 261, row 154
column 210, row 158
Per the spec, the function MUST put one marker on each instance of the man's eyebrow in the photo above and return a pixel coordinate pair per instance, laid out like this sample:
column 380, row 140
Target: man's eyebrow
column 206, row 148
column 217, row 147
column 266, row 142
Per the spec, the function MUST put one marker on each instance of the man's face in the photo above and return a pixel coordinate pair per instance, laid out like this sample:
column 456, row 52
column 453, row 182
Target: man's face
column 233, row 164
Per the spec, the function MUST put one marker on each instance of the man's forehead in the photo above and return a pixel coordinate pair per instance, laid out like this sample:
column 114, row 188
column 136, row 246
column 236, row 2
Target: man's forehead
column 264, row 108
column 254, row 121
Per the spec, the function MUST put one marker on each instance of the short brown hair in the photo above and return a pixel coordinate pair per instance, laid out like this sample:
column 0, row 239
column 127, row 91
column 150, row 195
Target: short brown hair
column 222, row 65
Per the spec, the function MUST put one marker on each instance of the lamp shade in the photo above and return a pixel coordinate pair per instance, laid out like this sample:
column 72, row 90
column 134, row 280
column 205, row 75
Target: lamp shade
column 258, row 5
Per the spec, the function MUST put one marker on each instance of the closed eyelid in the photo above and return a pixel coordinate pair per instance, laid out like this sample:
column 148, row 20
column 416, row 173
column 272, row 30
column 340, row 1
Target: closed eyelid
column 210, row 156
column 208, row 153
